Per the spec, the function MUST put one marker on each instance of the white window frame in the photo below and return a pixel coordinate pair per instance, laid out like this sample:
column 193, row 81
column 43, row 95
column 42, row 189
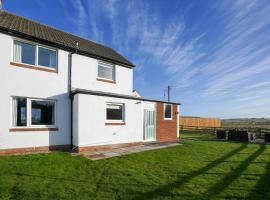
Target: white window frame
column 106, row 64
column 123, row 112
column 36, row 54
column 164, row 111
column 44, row 47
column 29, row 113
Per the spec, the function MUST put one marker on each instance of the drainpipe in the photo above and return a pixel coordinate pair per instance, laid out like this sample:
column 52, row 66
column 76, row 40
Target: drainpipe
column 70, row 91
column 70, row 96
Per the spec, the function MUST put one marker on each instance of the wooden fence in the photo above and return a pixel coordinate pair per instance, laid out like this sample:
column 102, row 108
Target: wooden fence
column 199, row 121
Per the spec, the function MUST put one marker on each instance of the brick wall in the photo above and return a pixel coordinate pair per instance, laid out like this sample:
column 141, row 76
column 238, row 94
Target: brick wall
column 166, row 129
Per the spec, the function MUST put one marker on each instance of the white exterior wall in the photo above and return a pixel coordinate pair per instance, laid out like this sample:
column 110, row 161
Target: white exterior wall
column 17, row 81
column 178, row 121
column 91, row 129
column 84, row 75
column 75, row 121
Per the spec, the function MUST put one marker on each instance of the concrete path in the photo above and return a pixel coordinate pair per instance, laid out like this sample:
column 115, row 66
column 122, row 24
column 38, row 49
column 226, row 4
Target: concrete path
column 97, row 155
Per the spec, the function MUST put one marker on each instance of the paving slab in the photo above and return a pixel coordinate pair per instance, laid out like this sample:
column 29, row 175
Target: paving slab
column 97, row 155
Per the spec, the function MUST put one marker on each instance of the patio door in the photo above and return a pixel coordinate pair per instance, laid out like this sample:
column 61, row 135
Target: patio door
column 149, row 125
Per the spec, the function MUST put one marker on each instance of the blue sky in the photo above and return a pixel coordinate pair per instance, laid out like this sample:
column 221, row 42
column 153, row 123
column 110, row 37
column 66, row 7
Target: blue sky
column 214, row 54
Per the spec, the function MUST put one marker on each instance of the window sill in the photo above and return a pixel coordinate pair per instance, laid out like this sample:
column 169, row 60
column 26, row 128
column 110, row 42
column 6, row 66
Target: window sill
column 106, row 81
column 32, row 129
column 115, row 123
column 168, row 119
column 45, row 69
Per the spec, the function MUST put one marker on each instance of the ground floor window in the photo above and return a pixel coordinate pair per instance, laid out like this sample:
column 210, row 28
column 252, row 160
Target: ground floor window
column 33, row 112
column 168, row 111
column 42, row 112
column 19, row 112
column 115, row 112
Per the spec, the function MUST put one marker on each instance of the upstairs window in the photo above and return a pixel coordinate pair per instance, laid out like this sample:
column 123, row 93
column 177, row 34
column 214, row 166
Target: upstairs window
column 46, row 57
column 32, row 54
column 24, row 53
column 167, row 111
column 115, row 112
column 106, row 71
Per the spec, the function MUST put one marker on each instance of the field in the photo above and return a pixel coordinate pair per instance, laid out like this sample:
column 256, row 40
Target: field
column 247, row 123
column 201, row 168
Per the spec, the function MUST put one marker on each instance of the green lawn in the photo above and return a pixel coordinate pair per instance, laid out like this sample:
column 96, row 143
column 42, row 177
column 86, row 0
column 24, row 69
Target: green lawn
column 201, row 168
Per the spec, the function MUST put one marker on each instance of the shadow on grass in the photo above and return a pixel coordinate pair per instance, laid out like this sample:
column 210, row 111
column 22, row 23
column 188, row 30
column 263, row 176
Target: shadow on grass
column 166, row 190
column 262, row 187
column 232, row 176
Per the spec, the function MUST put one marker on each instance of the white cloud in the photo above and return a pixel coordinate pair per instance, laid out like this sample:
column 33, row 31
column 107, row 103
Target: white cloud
column 231, row 65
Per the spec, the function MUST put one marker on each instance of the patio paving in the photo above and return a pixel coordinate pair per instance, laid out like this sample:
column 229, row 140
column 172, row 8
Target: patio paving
column 97, row 155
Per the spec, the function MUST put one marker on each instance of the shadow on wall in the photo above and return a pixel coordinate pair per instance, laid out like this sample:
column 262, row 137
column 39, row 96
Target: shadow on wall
column 60, row 139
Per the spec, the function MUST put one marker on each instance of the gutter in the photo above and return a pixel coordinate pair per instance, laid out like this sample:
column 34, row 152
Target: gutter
column 107, row 94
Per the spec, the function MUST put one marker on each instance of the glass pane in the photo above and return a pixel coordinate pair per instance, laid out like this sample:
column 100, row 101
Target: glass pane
column 46, row 57
column 24, row 53
column 106, row 71
column 168, row 111
column 19, row 112
column 43, row 112
column 114, row 113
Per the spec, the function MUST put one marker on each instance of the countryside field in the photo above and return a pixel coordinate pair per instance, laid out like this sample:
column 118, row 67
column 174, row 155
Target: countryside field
column 247, row 123
column 201, row 168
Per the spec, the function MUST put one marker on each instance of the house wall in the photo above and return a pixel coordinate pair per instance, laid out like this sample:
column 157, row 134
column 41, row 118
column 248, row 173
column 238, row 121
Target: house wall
column 84, row 76
column 166, row 130
column 18, row 81
column 89, row 111
column 92, row 129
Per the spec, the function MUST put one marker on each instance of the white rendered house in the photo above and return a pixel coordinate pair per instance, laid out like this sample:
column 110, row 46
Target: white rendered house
column 60, row 91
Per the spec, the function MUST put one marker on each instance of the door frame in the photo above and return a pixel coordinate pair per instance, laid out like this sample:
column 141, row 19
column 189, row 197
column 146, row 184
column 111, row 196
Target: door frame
column 155, row 125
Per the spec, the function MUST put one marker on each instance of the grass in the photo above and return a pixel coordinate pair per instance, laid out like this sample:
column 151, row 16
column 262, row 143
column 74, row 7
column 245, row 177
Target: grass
column 201, row 168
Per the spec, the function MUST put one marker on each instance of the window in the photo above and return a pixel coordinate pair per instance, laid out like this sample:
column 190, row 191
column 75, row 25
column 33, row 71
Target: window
column 19, row 112
column 42, row 112
column 46, row 57
column 33, row 112
column 106, row 71
column 115, row 112
column 24, row 53
column 167, row 111
column 34, row 55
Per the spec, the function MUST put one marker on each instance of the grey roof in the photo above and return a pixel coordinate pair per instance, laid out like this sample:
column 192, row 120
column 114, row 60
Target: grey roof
column 20, row 26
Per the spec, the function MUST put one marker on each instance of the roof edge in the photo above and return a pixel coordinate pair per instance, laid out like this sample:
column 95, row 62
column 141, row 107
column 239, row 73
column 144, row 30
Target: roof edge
column 107, row 94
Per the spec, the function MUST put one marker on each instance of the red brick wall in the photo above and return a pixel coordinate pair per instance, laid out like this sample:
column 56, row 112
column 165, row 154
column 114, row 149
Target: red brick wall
column 166, row 129
column 35, row 149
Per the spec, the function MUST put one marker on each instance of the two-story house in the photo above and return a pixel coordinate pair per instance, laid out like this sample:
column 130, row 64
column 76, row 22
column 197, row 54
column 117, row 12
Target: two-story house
column 60, row 91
